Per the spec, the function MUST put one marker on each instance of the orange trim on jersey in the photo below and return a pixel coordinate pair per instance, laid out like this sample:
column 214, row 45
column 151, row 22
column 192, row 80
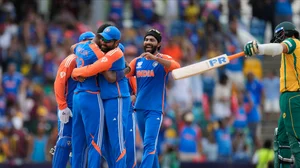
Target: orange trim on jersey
column 152, row 153
column 92, row 92
column 103, row 64
column 132, row 65
column 96, row 146
column 122, row 155
column 174, row 64
column 61, row 80
column 133, row 85
column 119, row 91
column 134, row 164
column 81, row 62
column 96, row 50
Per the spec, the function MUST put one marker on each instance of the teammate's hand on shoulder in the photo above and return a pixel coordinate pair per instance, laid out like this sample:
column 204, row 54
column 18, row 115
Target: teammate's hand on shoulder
column 251, row 48
column 64, row 115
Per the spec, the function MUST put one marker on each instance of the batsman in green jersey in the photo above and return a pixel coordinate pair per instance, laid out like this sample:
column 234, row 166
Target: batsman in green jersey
column 287, row 136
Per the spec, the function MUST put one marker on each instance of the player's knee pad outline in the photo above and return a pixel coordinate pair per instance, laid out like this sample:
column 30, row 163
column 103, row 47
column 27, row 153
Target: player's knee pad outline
column 280, row 150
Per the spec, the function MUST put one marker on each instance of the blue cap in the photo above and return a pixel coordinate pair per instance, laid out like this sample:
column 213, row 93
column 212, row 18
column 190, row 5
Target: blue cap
column 122, row 47
column 111, row 33
column 86, row 36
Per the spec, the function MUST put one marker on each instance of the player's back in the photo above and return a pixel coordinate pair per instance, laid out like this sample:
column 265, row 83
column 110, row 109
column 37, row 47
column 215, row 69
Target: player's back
column 86, row 56
column 151, row 82
column 119, row 88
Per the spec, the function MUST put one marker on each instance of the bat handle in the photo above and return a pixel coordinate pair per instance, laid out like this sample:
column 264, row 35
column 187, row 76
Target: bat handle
column 237, row 55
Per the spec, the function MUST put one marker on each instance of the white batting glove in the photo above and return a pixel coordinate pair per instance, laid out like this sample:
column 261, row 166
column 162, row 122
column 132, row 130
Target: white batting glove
column 64, row 115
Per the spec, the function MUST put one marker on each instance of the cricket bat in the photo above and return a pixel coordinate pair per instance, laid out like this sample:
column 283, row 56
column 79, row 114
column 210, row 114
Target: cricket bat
column 203, row 66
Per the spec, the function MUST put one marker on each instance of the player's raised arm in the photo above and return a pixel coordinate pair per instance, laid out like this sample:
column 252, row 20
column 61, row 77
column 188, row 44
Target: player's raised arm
column 63, row 74
column 103, row 64
column 167, row 61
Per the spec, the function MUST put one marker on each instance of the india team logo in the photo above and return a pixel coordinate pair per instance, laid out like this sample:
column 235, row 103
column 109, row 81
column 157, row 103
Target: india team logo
column 155, row 64
column 139, row 65
column 62, row 74
column 104, row 59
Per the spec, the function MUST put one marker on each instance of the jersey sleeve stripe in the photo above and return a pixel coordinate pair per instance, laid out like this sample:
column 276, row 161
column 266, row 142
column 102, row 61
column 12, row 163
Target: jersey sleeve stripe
column 295, row 67
column 291, row 45
column 110, row 53
column 69, row 60
column 96, row 50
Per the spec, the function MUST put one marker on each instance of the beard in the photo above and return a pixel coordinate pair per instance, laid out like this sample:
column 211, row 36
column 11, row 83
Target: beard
column 106, row 48
column 153, row 50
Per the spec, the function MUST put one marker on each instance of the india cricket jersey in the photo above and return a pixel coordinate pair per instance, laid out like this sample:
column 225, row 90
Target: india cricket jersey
column 84, row 51
column 290, row 66
column 151, row 78
column 119, row 88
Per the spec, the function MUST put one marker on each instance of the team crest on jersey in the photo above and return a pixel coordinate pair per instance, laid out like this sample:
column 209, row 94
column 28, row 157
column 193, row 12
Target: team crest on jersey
column 104, row 59
column 62, row 74
column 155, row 64
column 139, row 65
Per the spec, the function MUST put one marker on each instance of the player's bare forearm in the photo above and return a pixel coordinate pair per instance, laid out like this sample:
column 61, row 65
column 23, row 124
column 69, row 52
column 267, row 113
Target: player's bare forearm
column 164, row 62
column 127, row 70
column 110, row 76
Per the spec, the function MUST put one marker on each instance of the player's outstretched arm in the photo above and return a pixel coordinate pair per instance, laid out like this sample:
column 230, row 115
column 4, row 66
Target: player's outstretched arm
column 167, row 61
column 271, row 49
column 101, row 65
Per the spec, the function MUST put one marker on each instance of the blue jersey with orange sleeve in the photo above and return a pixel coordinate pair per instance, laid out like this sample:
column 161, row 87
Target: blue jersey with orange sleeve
column 64, row 85
column 112, row 60
column 151, row 78
column 119, row 88
column 86, row 55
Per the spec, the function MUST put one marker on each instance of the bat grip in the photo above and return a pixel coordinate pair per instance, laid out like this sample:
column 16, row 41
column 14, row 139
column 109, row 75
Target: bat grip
column 237, row 55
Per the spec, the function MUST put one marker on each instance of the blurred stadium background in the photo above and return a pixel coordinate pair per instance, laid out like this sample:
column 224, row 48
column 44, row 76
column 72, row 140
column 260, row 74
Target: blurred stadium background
column 225, row 107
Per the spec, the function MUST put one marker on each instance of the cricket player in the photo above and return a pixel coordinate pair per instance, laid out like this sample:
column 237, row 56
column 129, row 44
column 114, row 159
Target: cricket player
column 64, row 87
column 287, row 135
column 88, row 115
column 115, row 96
column 130, row 130
column 151, row 69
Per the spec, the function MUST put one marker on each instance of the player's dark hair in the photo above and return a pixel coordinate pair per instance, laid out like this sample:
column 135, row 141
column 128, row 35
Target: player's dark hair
column 102, row 27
